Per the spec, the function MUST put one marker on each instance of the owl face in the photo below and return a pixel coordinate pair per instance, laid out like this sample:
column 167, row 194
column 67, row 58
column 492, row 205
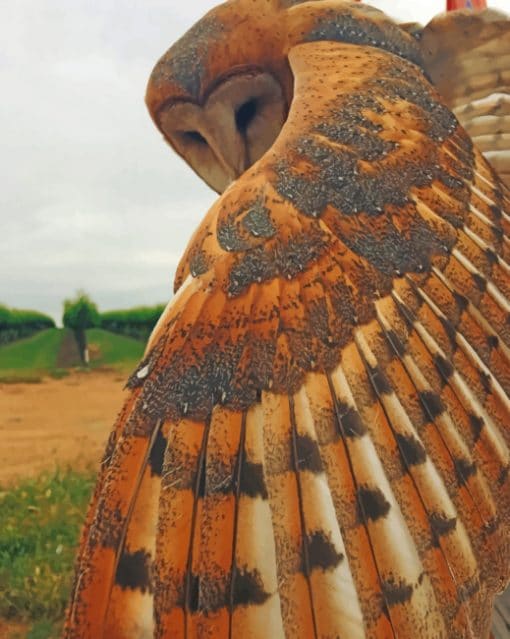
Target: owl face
column 236, row 124
column 220, row 94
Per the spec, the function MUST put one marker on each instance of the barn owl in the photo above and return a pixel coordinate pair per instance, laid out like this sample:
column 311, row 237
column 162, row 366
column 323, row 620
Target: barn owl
column 316, row 443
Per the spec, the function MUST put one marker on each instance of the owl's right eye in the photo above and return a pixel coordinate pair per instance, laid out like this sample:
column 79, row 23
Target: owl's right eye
column 194, row 136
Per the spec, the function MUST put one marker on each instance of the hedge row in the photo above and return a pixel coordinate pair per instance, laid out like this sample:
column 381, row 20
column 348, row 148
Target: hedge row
column 16, row 324
column 135, row 322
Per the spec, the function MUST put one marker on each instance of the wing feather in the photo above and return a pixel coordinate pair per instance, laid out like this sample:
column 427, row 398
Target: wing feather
column 105, row 556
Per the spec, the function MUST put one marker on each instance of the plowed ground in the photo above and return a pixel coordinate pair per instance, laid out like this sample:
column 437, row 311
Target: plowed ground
column 56, row 423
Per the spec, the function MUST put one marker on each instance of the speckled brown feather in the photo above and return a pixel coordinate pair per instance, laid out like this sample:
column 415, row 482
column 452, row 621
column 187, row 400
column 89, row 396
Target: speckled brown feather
column 330, row 384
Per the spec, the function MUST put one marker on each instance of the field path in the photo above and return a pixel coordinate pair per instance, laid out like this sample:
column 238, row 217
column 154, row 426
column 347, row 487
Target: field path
column 56, row 422
column 68, row 353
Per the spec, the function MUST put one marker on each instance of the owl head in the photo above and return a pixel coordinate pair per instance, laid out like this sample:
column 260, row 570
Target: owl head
column 221, row 94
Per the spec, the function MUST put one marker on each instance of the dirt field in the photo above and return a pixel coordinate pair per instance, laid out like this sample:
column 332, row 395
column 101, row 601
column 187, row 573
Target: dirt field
column 56, row 422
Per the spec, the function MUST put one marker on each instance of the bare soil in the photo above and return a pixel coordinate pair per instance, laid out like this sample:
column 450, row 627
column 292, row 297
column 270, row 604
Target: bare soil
column 57, row 423
column 12, row 629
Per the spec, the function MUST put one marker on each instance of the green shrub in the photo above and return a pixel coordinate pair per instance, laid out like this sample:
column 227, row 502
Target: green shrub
column 81, row 313
column 16, row 324
column 135, row 322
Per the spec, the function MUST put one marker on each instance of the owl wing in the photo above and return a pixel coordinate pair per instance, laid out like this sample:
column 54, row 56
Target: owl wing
column 317, row 440
column 467, row 55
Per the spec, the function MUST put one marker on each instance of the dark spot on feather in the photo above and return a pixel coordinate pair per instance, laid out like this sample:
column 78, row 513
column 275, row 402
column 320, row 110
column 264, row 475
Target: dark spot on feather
column 455, row 220
column 477, row 425
column 496, row 211
column 412, row 450
column 373, row 504
column 450, row 331
column 503, row 475
column 193, row 593
column 322, row 552
column 396, row 592
column 228, row 235
column 444, row 366
column 252, row 480
column 380, row 381
column 442, row 525
column 134, row 571
column 351, row 421
column 433, row 404
column 248, row 588
column 252, row 266
column 468, row 589
column 491, row 256
column 198, row 263
column 461, row 301
column 464, row 469
column 493, row 341
column 498, row 233
column 157, row 454
column 480, row 282
column 258, row 221
column 308, row 456
column 485, row 380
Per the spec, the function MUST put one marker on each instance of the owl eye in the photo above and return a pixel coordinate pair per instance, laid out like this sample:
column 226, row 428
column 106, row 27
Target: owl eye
column 245, row 114
column 195, row 136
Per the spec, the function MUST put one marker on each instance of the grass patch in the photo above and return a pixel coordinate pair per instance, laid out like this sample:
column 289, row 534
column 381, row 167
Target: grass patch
column 45, row 629
column 40, row 521
column 35, row 353
column 29, row 360
column 109, row 349
column 20, row 377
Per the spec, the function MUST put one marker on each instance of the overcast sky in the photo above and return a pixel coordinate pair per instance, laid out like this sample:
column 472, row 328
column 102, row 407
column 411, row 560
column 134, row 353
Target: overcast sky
column 91, row 197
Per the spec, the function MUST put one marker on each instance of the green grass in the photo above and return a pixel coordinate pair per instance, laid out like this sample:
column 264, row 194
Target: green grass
column 114, row 349
column 40, row 522
column 27, row 359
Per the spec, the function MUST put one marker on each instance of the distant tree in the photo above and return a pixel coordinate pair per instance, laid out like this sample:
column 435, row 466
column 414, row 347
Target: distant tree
column 81, row 313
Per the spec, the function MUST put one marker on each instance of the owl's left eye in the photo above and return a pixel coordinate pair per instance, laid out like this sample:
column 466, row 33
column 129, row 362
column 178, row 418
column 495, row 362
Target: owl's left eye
column 245, row 114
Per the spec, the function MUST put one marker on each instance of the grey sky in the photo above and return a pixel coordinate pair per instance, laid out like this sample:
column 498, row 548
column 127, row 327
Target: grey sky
column 91, row 196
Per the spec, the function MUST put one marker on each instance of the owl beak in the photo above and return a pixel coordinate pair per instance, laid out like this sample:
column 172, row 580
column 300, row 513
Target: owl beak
column 229, row 148
column 226, row 142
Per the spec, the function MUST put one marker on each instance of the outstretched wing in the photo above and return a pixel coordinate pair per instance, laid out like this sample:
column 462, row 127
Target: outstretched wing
column 467, row 55
column 317, row 441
